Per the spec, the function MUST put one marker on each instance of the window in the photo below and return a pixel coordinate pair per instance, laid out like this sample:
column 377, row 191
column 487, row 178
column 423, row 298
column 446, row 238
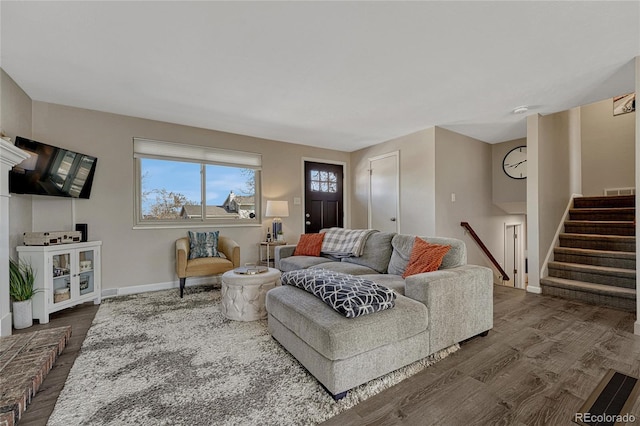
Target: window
column 179, row 185
column 322, row 181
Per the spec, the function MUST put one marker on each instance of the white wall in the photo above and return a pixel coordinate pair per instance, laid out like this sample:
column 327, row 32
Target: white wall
column 146, row 256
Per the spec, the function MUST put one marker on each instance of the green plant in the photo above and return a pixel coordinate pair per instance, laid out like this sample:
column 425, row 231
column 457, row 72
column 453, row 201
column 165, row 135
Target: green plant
column 21, row 280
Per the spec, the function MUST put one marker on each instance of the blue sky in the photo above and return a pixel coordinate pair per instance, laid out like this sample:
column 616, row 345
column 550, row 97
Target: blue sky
column 185, row 179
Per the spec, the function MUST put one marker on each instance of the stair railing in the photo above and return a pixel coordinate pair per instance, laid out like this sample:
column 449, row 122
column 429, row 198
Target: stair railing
column 485, row 250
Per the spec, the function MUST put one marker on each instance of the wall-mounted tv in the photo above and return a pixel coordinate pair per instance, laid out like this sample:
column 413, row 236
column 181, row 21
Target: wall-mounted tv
column 52, row 171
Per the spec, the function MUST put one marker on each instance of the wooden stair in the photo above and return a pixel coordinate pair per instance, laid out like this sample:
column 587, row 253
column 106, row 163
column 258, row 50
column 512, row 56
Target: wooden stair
column 595, row 261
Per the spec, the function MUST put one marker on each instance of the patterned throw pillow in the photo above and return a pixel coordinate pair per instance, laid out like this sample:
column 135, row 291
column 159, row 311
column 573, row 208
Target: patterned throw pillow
column 350, row 295
column 309, row 245
column 203, row 244
column 425, row 257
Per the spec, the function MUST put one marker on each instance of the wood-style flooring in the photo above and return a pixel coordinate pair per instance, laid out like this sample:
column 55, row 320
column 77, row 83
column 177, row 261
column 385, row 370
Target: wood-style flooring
column 537, row 366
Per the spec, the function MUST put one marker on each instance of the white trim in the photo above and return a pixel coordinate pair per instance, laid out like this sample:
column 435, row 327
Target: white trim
column 544, row 270
column 144, row 288
column 519, row 283
column 395, row 154
column 346, row 190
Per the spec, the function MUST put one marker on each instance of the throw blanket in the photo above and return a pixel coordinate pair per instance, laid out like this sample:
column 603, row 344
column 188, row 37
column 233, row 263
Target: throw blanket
column 340, row 242
column 349, row 295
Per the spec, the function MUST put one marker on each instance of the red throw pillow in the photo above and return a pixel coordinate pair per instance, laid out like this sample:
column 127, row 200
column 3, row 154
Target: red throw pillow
column 425, row 257
column 309, row 245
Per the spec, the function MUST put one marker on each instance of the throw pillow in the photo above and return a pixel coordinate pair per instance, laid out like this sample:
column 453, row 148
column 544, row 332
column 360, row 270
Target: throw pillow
column 203, row 244
column 425, row 257
column 309, row 245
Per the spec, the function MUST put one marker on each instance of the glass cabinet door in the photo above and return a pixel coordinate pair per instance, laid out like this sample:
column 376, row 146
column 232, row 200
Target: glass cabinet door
column 85, row 271
column 61, row 277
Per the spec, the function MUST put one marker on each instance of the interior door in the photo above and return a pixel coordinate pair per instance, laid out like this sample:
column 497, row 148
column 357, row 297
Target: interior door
column 384, row 193
column 323, row 196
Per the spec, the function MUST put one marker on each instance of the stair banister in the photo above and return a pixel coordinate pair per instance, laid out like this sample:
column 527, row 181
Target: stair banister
column 486, row 251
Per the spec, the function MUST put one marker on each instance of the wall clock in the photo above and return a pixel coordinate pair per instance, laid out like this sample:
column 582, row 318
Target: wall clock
column 515, row 163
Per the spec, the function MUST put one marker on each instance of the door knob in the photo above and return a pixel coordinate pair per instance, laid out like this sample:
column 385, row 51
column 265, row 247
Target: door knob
column 393, row 219
column 307, row 223
column 307, row 215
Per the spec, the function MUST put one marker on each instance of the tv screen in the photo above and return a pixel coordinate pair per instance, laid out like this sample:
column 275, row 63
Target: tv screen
column 52, row 171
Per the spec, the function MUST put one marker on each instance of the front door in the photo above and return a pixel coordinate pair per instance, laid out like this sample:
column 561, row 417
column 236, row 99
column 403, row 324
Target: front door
column 323, row 196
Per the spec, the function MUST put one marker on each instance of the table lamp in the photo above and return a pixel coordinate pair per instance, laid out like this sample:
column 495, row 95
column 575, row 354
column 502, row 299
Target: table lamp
column 277, row 210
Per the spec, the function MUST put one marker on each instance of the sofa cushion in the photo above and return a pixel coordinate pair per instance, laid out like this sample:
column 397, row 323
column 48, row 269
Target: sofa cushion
column 403, row 244
column 377, row 252
column 309, row 245
column 394, row 282
column 336, row 337
column 300, row 262
column 347, row 294
column 345, row 268
column 425, row 257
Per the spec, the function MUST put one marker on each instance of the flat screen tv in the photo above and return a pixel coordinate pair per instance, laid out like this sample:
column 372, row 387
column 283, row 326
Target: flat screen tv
column 52, row 171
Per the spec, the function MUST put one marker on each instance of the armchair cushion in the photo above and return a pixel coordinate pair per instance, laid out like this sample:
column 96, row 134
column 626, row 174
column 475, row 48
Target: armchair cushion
column 203, row 244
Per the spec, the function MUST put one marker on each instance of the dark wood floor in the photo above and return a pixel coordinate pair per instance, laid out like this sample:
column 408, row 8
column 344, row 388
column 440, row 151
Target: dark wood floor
column 79, row 318
column 537, row 366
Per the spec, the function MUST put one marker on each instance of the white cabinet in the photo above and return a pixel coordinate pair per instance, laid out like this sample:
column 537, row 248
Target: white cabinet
column 66, row 275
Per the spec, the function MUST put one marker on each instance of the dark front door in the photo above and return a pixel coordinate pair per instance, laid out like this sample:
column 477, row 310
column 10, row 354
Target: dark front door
column 322, row 196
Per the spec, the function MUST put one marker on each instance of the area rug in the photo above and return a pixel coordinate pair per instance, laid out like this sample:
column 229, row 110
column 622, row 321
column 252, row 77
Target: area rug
column 156, row 359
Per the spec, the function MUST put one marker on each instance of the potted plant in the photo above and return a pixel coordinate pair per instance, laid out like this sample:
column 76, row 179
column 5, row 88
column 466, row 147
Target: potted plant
column 21, row 280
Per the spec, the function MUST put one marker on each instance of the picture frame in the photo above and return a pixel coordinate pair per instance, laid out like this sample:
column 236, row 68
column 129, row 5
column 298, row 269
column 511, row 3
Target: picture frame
column 624, row 104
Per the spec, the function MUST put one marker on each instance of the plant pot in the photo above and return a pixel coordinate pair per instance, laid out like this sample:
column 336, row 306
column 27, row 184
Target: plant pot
column 22, row 315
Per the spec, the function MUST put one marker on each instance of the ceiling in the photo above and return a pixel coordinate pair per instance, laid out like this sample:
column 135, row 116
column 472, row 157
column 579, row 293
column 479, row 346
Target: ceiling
column 339, row 75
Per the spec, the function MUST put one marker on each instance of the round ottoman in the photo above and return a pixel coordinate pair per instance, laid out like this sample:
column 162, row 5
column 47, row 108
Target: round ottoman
column 243, row 295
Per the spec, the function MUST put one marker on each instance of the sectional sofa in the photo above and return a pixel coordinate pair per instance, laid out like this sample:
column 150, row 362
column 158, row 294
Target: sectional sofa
column 433, row 310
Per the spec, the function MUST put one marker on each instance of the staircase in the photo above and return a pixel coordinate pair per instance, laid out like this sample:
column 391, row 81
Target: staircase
column 596, row 258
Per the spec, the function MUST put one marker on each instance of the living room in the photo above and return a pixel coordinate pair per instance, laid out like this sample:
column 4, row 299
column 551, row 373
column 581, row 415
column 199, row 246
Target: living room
column 446, row 177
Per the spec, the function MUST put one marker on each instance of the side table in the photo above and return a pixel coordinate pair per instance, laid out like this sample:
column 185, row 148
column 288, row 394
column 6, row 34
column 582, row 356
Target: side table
column 267, row 259
column 243, row 295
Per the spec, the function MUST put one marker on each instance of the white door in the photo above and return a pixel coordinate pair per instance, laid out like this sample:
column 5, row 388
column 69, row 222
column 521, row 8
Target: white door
column 384, row 193
column 513, row 255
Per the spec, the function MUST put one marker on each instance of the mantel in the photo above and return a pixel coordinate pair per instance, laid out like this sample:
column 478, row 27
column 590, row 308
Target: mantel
column 9, row 157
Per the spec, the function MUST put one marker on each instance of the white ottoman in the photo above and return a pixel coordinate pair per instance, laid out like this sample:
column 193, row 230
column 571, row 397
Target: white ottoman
column 243, row 295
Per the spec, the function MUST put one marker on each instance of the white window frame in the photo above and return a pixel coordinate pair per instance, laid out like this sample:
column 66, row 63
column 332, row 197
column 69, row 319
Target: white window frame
column 203, row 155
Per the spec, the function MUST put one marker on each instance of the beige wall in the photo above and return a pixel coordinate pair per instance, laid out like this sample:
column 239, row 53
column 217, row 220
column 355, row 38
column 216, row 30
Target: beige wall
column 15, row 119
column 608, row 148
column 417, row 182
column 465, row 168
column 554, row 175
column 508, row 194
column 146, row 256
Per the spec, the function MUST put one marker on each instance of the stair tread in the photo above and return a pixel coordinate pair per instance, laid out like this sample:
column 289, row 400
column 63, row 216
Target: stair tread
column 595, row 268
column 599, row 253
column 602, row 209
column 600, row 222
column 598, row 236
column 592, row 287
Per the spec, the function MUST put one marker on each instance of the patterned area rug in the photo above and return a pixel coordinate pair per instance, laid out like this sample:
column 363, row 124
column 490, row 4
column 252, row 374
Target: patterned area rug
column 156, row 359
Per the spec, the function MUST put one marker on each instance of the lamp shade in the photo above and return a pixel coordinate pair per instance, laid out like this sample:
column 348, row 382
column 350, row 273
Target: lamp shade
column 277, row 209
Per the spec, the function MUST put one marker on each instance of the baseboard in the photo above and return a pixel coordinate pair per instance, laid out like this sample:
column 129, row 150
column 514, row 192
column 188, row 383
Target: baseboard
column 6, row 325
column 636, row 328
column 534, row 289
column 144, row 288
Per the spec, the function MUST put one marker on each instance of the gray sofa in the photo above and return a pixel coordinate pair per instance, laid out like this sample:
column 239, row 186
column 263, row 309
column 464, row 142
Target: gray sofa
column 433, row 311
